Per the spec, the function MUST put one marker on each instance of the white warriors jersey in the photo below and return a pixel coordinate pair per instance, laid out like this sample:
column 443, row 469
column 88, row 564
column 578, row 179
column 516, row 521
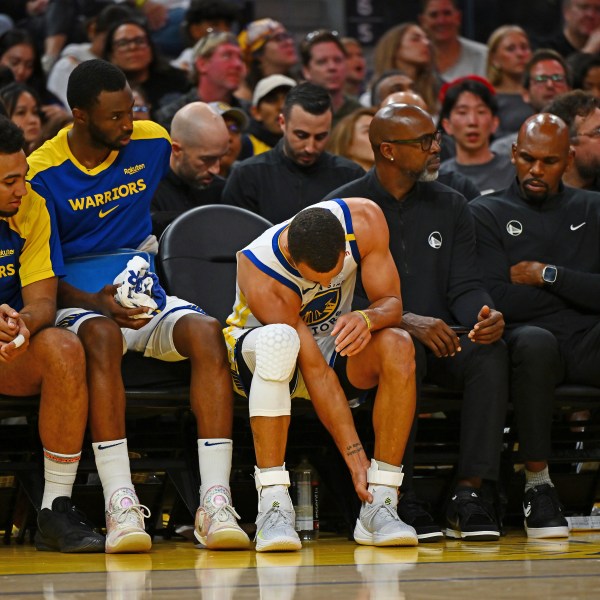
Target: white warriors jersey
column 320, row 307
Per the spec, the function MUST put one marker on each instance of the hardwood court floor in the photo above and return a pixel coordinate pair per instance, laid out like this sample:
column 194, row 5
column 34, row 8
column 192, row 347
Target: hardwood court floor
column 332, row 568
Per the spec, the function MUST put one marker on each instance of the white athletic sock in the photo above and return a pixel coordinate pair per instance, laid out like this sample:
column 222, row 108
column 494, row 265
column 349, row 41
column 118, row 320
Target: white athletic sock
column 534, row 478
column 59, row 475
column 214, row 458
column 112, row 462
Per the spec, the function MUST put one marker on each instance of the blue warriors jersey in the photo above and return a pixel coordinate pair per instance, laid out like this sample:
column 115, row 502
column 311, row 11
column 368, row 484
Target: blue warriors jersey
column 107, row 207
column 29, row 250
column 320, row 307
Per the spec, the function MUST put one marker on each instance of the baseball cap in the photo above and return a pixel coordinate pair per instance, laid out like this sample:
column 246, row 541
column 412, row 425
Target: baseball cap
column 225, row 110
column 268, row 84
column 256, row 34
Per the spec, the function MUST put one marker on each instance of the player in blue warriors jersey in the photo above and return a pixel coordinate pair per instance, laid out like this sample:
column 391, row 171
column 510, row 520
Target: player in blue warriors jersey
column 36, row 358
column 295, row 286
column 98, row 178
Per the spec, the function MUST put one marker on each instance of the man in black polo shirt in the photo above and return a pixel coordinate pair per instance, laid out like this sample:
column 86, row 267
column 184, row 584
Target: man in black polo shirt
column 297, row 172
column 538, row 246
column 432, row 242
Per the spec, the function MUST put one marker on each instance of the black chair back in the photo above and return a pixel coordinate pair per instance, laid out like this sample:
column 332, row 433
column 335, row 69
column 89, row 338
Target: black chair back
column 197, row 255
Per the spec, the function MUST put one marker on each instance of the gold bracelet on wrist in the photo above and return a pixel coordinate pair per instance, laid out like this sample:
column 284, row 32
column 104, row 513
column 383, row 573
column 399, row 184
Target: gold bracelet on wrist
column 365, row 316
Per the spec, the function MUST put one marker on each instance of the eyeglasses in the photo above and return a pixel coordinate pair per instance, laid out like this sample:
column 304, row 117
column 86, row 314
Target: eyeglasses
column 426, row 140
column 543, row 79
column 136, row 42
column 233, row 127
column 282, row 36
column 140, row 108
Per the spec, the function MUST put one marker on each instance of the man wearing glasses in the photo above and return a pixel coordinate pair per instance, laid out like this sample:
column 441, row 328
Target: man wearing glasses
column 546, row 76
column 581, row 112
column 450, row 316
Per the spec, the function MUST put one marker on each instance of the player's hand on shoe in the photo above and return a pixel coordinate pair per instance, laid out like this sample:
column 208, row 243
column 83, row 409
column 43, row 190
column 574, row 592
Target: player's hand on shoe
column 433, row 333
column 489, row 327
column 109, row 307
column 359, row 478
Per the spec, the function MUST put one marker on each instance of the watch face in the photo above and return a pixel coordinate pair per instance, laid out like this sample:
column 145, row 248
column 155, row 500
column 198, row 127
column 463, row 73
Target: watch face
column 549, row 274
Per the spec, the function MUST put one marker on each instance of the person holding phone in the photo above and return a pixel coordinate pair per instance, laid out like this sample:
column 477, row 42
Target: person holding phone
column 450, row 316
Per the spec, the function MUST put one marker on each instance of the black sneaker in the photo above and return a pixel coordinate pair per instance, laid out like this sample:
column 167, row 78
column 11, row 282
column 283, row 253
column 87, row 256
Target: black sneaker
column 412, row 511
column 543, row 513
column 469, row 518
column 64, row 528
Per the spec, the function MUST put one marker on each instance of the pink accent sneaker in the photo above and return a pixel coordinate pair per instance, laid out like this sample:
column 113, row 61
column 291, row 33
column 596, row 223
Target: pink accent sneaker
column 125, row 523
column 216, row 526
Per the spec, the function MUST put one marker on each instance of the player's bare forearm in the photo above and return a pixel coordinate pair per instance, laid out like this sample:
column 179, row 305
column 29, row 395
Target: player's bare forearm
column 333, row 411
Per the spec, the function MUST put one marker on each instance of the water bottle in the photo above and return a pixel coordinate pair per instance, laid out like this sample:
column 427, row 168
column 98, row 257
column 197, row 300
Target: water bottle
column 306, row 487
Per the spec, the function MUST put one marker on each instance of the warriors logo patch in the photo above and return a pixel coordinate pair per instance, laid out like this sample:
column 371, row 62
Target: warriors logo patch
column 435, row 240
column 514, row 228
column 321, row 307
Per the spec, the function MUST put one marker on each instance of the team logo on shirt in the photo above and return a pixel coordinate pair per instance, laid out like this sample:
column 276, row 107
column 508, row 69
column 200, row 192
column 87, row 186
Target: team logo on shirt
column 514, row 228
column 8, row 252
column 435, row 240
column 116, row 193
column 322, row 307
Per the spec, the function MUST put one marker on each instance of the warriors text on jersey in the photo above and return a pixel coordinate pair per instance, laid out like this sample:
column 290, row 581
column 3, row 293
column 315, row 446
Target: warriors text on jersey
column 108, row 207
column 29, row 250
column 321, row 307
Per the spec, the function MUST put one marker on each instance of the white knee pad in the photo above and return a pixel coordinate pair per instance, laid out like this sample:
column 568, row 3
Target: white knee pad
column 275, row 353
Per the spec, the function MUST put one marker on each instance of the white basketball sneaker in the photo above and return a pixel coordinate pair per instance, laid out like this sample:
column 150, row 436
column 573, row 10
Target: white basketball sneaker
column 216, row 524
column 276, row 516
column 125, row 523
column 378, row 524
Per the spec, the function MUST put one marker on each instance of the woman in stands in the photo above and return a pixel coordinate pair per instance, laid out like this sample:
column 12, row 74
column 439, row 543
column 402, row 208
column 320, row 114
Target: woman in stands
column 19, row 54
column 24, row 109
column 508, row 54
column 406, row 47
column 130, row 47
column 350, row 137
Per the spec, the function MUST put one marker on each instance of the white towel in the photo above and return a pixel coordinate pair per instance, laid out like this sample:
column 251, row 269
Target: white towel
column 140, row 287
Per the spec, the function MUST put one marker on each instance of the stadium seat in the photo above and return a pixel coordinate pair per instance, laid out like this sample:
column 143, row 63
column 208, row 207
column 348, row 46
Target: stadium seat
column 197, row 254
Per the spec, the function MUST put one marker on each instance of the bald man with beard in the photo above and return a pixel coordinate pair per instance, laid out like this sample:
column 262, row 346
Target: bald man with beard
column 199, row 139
column 538, row 247
column 449, row 315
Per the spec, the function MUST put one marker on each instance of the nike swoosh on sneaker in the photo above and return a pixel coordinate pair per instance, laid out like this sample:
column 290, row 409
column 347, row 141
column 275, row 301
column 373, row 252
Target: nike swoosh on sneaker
column 576, row 227
column 101, row 447
column 215, row 443
column 527, row 510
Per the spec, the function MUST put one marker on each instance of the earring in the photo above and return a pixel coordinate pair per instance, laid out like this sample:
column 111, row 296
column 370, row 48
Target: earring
column 392, row 158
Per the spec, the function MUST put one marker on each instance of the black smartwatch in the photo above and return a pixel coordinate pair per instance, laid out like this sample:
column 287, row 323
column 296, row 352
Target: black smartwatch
column 549, row 274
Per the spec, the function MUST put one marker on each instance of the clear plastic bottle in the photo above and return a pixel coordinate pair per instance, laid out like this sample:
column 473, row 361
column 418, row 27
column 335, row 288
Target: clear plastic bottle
column 306, row 487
